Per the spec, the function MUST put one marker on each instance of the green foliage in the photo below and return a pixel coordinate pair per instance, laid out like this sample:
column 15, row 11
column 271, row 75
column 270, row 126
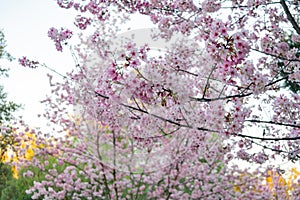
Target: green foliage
column 13, row 192
column 6, row 107
column 5, row 176
column 6, row 139
column 11, row 188
column 16, row 188
column 3, row 53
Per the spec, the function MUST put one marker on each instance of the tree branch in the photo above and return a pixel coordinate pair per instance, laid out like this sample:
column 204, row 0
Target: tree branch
column 207, row 129
column 207, row 82
column 220, row 98
column 236, row 95
column 268, row 139
column 271, row 122
column 276, row 56
column 290, row 17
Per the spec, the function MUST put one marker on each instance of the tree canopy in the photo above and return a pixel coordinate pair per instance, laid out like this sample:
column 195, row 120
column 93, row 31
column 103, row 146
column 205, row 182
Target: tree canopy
column 175, row 124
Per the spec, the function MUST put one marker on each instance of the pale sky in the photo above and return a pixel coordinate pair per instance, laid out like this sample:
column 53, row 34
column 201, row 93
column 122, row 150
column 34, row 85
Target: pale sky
column 25, row 24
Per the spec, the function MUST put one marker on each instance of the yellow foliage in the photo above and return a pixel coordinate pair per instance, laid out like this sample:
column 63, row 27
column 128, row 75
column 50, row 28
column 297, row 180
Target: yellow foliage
column 274, row 175
column 237, row 188
column 15, row 172
column 288, row 184
column 273, row 180
column 4, row 157
column 29, row 154
column 28, row 143
column 294, row 175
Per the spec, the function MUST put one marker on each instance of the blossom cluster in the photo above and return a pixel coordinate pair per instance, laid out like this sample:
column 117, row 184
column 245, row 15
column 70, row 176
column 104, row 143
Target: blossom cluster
column 25, row 62
column 59, row 36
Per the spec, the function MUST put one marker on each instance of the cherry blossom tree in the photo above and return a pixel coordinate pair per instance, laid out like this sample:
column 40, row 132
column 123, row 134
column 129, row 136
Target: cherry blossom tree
column 168, row 126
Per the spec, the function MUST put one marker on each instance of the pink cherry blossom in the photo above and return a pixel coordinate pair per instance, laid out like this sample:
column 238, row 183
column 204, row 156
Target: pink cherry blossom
column 175, row 125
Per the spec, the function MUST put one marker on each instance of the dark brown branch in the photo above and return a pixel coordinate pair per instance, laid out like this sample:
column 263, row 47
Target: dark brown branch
column 207, row 82
column 274, row 123
column 236, row 95
column 246, row 6
column 272, row 149
column 268, row 139
column 210, row 130
column 220, row 98
column 190, row 73
column 100, row 95
column 290, row 17
column 278, row 80
column 276, row 56
column 203, row 128
column 114, row 161
column 169, row 120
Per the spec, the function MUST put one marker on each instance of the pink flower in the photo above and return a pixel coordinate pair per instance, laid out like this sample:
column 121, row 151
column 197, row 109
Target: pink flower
column 82, row 22
column 283, row 46
column 58, row 46
column 59, row 37
column 28, row 63
column 135, row 63
column 210, row 5
column 52, row 33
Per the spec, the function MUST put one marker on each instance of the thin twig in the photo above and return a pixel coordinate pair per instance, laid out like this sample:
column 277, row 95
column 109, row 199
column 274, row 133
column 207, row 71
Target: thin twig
column 207, row 82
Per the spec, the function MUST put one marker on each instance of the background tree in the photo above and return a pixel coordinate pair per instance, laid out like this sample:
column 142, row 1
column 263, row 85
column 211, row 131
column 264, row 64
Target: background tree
column 6, row 107
column 6, row 110
column 165, row 126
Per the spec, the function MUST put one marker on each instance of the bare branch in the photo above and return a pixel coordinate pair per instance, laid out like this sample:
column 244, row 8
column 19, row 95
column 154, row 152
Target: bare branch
column 268, row 139
column 271, row 122
column 220, row 98
column 207, row 129
column 289, row 16
column 207, row 82
column 276, row 56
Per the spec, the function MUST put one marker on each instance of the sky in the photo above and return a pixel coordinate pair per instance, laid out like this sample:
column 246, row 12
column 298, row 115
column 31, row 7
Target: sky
column 25, row 25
